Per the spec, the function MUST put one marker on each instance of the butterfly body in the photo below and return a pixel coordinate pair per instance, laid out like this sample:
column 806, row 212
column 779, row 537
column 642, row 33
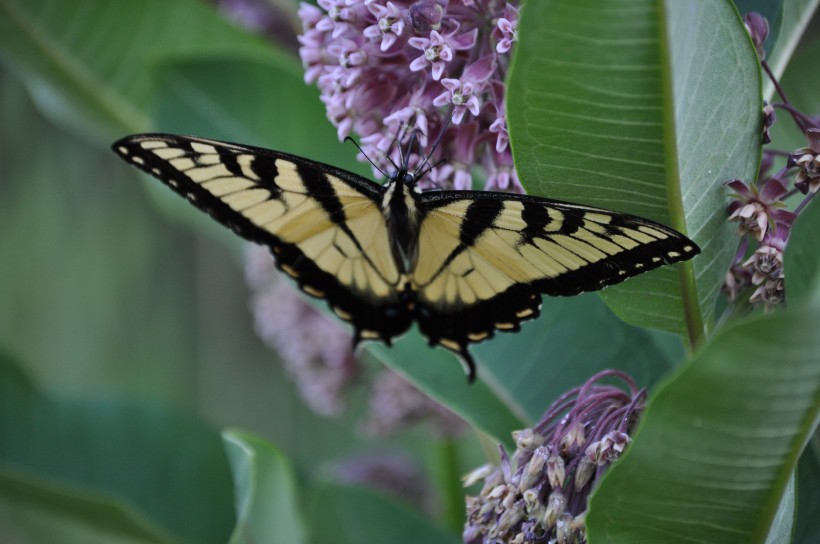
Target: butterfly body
column 461, row 264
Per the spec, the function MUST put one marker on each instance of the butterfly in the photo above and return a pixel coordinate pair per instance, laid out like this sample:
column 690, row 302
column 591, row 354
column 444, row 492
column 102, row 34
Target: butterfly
column 460, row 264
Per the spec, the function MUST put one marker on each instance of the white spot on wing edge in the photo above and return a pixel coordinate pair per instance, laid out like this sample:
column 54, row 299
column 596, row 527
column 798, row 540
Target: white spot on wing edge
column 153, row 144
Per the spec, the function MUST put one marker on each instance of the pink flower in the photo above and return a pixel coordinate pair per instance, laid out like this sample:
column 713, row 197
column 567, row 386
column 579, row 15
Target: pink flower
column 755, row 209
column 389, row 27
column 460, row 95
column 435, row 53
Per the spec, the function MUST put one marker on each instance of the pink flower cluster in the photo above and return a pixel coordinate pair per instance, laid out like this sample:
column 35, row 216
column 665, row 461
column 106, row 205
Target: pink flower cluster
column 388, row 70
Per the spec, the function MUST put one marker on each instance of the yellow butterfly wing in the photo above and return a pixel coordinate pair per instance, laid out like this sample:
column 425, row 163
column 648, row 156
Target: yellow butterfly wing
column 323, row 225
column 485, row 259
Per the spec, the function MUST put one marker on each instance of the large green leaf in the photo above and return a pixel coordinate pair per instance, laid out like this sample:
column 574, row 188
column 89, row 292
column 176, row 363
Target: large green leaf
column 352, row 515
column 167, row 466
column 35, row 510
column 716, row 451
column 89, row 63
column 88, row 298
column 265, row 490
column 807, row 529
column 624, row 105
column 802, row 262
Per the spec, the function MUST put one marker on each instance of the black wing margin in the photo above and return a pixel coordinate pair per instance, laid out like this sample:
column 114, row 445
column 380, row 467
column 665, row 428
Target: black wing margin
column 322, row 224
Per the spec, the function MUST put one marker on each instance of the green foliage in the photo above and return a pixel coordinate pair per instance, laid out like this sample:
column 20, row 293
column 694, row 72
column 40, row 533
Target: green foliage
column 727, row 429
column 135, row 334
column 266, row 501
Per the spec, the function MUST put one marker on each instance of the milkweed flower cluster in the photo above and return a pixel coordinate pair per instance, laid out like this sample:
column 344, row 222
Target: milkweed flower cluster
column 539, row 494
column 759, row 208
column 389, row 70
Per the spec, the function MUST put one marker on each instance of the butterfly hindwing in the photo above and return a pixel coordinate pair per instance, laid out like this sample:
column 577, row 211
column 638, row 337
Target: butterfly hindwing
column 323, row 225
column 485, row 259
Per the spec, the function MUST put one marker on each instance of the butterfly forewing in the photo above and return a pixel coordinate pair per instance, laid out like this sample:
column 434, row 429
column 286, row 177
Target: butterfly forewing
column 323, row 225
column 485, row 258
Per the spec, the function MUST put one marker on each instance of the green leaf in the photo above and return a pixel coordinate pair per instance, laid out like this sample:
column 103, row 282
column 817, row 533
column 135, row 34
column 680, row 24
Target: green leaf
column 353, row 515
column 95, row 74
column 802, row 265
column 89, row 298
column 719, row 443
column 34, row 510
column 626, row 108
column 519, row 375
column 266, row 500
column 807, row 529
column 167, row 466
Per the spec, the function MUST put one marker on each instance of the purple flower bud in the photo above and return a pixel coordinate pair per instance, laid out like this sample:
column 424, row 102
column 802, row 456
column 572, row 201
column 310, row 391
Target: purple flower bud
column 510, row 517
column 758, row 28
column 556, row 506
column 556, row 471
column 534, row 471
column 768, row 120
column 425, row 16
column 584, row 472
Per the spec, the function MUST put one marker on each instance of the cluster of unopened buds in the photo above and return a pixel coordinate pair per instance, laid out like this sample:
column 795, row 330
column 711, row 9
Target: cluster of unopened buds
column 540, row 493
column 760, row 209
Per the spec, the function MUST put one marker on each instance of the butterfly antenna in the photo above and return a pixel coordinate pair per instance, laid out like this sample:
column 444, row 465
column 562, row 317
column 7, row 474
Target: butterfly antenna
column 349, row 139
column 435, row 145
column 429, row 168
column 405, row 157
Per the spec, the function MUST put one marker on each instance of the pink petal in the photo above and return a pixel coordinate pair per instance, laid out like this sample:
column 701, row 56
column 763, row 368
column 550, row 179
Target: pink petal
column 442, row 100
column 438, row 70
column 419, row 63
column 419, row 43
column 388, row 40
column 451, row 84
column 472, row 105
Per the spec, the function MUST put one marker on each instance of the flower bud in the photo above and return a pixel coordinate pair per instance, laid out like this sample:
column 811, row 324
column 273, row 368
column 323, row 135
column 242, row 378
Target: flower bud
column 425, row 16
column 556, row 470
column 535, row 468
column 510, row 517
column 758, row 28
column 556, row 505
column 583, row 472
